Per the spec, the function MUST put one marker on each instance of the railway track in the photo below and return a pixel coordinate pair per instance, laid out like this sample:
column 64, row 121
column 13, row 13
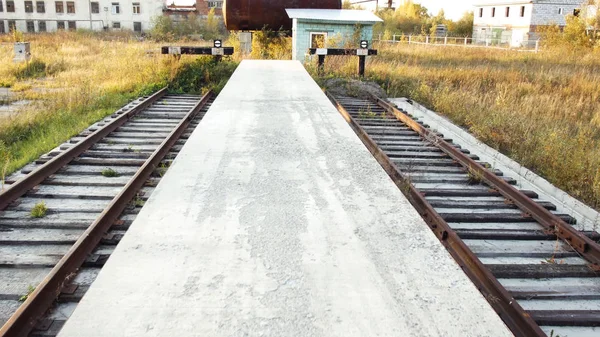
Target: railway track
column 539, row 273
column 85, row 196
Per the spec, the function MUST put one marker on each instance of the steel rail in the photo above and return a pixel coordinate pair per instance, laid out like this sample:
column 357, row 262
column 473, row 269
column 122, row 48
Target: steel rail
column 585, row 246
column 25, row 318
column 22, row 186
column 514, row 316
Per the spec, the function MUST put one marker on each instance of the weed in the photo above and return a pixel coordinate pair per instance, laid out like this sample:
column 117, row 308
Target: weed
column 129, row 148
column 474, row 177
column 366, row 113
column 30, row 289
column 162, row 168
column 39, row 210
column 109, row 173
column 138, row 201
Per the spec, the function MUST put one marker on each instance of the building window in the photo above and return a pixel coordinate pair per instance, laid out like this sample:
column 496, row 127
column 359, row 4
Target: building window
column 30, row 26
column 215, row 4
column 136, row 8
column 116, row 25
column 12, row 24
column 116, row 9
column 493, row 11
column 317, row 40
column 560, row 11
column 10, row 8
column 2, row 31
column 95, row 8
column 72, row 25
column 60, row 25
column 507, row 11
column 480, row 12
column 137, row 27
column 2, row 10
column 60, row 7
column 576, row 11
column 41, row 26
column 28, row 6
column 522, row 11
column 71, row 7
column 41, row 7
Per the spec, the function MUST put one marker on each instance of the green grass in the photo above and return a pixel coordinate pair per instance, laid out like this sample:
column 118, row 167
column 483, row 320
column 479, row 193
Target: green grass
column 39, row 210
column 109, row 173
column 30, row 289
column 82, row 80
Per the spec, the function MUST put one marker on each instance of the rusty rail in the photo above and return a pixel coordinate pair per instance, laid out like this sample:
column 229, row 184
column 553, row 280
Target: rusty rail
column 24, row 319
column 22, row 186
column 585, row 246
column 514, row 316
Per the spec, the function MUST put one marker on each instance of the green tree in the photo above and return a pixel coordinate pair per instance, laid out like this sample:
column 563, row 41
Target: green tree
column 463, row 27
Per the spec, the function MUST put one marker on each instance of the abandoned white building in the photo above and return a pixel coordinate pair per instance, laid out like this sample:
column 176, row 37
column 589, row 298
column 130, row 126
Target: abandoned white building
column 49, row 16
column 515, row 22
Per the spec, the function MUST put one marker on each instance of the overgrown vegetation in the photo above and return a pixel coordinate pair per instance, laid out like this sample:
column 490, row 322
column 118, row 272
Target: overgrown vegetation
column 77, row 78
column 540, row 109
column 193, row 26
column 410, row 18
column 203, row 74
column 581, row 33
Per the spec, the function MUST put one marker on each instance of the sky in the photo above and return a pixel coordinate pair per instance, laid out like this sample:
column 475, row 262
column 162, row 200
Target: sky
column 454, row 9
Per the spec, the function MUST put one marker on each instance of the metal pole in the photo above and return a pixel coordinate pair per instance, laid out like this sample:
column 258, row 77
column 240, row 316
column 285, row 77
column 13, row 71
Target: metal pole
column 409, row 39
column 361, row 66
column 321, row 68
column 427, row 39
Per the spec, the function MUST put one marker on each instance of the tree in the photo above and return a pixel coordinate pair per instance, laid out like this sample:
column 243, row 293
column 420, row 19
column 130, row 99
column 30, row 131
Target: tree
column 463, row 27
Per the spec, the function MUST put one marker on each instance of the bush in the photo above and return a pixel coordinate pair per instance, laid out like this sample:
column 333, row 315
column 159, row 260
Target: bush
column 202, row 75
column 271, row 45
column 32, row 69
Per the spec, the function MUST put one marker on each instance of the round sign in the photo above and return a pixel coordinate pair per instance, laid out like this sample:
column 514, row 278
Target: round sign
column 218, row 43
column 364, row 44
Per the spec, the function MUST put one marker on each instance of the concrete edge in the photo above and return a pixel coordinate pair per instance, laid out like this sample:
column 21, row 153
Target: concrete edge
column 587, row 217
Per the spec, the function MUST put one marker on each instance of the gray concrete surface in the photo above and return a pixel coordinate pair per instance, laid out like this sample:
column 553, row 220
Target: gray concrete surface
column 587, row 218
column 274, row 220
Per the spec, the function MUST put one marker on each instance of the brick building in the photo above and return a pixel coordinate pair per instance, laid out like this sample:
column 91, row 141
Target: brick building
column 515, row 22
column 203, row 6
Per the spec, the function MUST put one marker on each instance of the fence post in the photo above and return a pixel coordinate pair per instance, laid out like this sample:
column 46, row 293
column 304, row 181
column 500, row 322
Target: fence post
column 465, row 41
column 427, row 39
column 321, row 68
column 537, row 45
column 445, row 40
column 409, row 39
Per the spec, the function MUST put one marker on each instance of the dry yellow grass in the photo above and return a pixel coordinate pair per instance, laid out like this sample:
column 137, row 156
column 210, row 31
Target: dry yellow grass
column 541, row 109
column 74, row 79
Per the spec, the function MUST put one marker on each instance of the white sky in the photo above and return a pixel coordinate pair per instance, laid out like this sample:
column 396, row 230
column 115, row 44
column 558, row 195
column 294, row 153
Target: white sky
column 454, row 9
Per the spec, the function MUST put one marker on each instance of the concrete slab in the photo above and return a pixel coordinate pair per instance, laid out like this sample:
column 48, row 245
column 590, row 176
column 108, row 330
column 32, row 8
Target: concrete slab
column 274, row 220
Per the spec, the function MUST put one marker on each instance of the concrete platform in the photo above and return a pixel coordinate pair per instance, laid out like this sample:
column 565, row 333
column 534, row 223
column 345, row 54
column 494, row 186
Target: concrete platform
column 274, row 220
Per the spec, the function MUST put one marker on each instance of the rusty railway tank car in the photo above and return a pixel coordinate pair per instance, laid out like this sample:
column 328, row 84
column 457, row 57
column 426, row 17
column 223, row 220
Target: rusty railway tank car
column 256, row 14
